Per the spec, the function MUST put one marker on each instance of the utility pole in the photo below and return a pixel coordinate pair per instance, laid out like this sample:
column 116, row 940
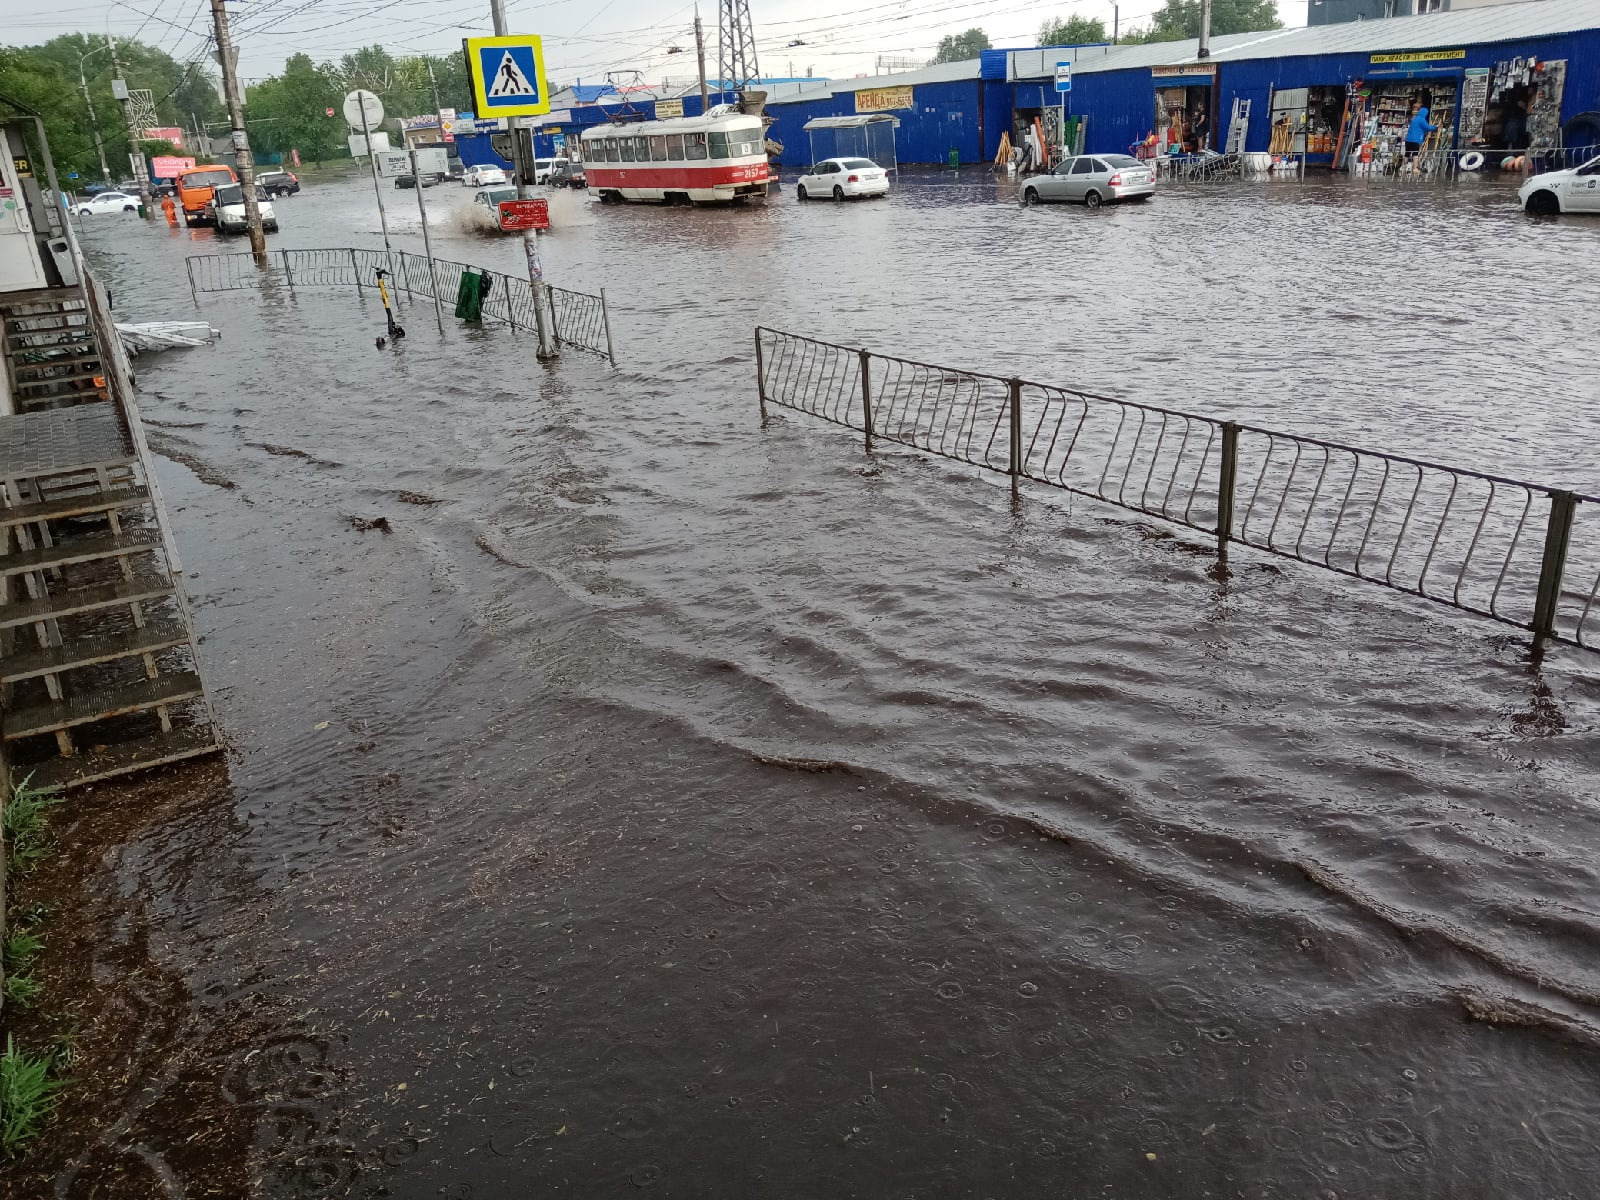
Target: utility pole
column 135, row 154
column 1205, row 29
column 427, row 240
column 700, row 53
column 1116, row 22
column 241, row 140
column 94, row 124
column 530, row 237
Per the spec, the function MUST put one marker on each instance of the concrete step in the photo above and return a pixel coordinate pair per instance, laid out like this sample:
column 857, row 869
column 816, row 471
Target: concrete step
column 75, row 601
column 58, row 774
column 55, row 380
column 86, row 651
column 20, row 362
column 99, row 704
column 75, row 505
column 79, row 550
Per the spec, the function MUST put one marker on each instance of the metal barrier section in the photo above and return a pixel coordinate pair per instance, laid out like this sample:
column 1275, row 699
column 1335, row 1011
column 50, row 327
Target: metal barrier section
column 1513, row 551
column 582, row 321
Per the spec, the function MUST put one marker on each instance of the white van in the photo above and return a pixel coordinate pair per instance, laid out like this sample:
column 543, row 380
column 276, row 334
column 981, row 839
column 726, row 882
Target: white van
column 226, row 210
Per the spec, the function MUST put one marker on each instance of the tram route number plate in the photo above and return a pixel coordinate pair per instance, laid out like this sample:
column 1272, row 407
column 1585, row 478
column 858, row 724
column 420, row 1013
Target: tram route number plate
column 524, row 214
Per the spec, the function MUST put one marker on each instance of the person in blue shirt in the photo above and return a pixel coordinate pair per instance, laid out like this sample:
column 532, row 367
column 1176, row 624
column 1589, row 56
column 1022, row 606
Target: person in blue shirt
column 1418, row 132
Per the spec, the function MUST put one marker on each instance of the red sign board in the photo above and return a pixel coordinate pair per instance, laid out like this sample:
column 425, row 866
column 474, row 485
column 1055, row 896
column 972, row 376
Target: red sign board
column 165, row 166
column 524, row 214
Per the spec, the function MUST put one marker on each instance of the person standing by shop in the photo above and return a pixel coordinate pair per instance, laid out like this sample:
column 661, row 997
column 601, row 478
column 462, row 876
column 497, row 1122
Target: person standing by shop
column 1200, row 130
column 1516, row 125
column 1417, row 133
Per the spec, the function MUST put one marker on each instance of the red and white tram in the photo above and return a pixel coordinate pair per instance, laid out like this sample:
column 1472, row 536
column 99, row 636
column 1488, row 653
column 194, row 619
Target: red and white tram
column 718, row 157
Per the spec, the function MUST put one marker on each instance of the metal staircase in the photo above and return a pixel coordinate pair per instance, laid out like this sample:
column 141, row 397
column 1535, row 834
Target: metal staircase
column 98, row 672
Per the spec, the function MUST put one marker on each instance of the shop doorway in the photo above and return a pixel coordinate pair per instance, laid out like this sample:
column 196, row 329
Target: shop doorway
column 1185, row 118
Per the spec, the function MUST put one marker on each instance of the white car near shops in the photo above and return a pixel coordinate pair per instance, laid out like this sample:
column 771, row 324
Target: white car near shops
column 1575, row 190
column 107, row 202
column 843, row 179
column 482, row 176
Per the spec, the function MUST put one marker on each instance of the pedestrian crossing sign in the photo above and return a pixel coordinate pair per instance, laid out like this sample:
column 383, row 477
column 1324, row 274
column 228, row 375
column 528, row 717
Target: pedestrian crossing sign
column 508, row 75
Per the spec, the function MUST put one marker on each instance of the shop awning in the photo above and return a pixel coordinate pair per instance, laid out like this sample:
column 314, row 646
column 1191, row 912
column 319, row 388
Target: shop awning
column 856, row 121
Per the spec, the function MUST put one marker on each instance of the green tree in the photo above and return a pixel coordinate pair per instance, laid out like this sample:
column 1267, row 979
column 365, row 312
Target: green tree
column 45, row 80
column 1074, row 31
column 1178, row 20
column 958, row 47
column 290, row 111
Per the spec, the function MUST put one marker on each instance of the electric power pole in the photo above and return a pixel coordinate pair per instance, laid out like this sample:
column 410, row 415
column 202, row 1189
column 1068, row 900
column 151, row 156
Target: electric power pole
column 525, row 169
column 1205, row 29
column 700, row 53
column 1116, row 22
column 135, row 153
column 99, row 145
column 241, row 141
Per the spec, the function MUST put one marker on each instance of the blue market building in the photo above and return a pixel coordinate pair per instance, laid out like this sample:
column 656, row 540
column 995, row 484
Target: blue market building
column 1492, row 76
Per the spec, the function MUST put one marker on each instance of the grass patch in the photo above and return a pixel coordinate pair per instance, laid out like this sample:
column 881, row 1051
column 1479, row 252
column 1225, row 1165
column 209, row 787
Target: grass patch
column 22, row 946
column 28, row 1095
column 21, row 990
column 27, row 839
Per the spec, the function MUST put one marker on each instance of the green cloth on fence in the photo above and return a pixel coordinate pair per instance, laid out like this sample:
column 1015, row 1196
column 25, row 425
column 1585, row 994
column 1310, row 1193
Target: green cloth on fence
column 472, row 294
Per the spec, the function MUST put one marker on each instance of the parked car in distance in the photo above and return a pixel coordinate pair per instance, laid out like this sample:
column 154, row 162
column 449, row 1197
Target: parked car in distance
column 843, row 179
column 1575, row 190
column 226, row 210
column 567, row 173
column 483, row 176
column 1093, row 179
column 278, row 183
column 107, row 202
column 410, row 181
column 486, row 208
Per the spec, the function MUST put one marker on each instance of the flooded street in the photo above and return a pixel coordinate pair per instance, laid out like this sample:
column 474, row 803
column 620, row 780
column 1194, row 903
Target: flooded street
column 668, row 803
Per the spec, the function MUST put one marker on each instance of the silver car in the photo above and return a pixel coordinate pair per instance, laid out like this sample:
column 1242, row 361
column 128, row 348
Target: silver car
column 1093, row 179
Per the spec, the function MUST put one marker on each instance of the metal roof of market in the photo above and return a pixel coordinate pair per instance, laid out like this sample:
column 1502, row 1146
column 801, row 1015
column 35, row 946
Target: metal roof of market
column 1468, row 27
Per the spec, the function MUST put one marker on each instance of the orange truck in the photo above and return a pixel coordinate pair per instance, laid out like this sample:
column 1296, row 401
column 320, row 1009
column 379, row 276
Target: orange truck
column 195, row 188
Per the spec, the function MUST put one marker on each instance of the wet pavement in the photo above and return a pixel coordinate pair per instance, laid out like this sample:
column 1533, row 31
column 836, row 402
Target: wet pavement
column 668, row 803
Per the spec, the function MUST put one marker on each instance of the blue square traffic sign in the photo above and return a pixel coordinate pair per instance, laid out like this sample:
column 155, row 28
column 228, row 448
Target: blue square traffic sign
column 508, row 76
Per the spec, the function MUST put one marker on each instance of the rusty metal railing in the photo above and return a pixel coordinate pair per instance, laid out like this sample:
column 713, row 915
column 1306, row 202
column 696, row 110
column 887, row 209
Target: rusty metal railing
column 1502, row 548
column 581, row 321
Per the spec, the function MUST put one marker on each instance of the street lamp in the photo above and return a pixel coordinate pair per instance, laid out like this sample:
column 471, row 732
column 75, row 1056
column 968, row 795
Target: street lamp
column 94, row 125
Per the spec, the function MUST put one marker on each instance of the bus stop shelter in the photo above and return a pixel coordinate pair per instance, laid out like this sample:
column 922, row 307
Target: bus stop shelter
column 863, row 135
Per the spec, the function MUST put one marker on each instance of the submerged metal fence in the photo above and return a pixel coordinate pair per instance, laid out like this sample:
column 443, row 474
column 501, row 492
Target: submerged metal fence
column 580, row 320
column 1517, row 552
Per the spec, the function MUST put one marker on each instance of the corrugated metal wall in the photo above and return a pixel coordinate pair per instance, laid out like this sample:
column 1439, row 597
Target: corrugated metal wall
column 970, row 115
column 944, row 116
column 1256, row 79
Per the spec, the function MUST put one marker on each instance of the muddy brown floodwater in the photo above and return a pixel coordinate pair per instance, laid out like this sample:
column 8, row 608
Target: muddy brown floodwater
column 664, row 803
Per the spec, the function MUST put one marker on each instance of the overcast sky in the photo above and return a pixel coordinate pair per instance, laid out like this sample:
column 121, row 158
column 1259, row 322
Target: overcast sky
column 582, row 38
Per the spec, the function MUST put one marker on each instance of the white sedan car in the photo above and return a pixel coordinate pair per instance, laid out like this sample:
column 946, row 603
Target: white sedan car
column 483, row 176
column 1575, row 190
column 843, row 178
column 107, row 202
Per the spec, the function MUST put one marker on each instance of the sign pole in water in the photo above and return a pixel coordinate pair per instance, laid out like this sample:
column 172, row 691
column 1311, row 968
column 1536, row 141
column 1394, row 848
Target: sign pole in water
column 427, row 240
column 1063, row 89
column 507, row 76
column 364, row 111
